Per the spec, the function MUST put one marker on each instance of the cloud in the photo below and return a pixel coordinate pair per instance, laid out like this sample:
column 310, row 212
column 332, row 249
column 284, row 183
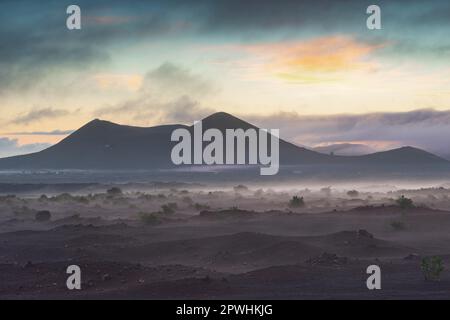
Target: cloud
column 427, row 129
column 41, row 44
column 41, row 133
column 174, row 79
column 111, row 81
column 168, row 94
column 10, row 147
column 313, row 60
column 34, row 47
column 38, row 115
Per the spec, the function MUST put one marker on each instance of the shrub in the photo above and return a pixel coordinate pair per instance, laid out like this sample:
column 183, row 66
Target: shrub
column 114, row 192
column 404, row 203
column 187, row 200
column 398, row 225
column 149, row 218
column 169, row 208
column 43, row 216
column 432, row 268
column 240, row 188
column 296, row 202
column 353, row 193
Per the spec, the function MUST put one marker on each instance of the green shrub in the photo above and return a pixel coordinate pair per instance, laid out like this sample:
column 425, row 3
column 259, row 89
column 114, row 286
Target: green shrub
column 398, row 225
column 432, row 268
column 149, row 218
column 405, row 203
column 169, row 208
column 296, row 202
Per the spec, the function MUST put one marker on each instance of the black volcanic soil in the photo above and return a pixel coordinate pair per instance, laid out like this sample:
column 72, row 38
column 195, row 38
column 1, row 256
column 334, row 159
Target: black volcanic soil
column 315, row 252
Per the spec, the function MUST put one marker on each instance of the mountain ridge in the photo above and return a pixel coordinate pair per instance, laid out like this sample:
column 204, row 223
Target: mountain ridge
column 101, row 144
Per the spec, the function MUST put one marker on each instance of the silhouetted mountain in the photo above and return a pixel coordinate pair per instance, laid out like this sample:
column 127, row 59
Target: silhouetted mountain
column 105, row 145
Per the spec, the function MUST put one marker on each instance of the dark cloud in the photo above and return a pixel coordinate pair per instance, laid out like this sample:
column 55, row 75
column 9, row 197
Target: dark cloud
column 34, row 39
column 39, row 114
column 10, row 147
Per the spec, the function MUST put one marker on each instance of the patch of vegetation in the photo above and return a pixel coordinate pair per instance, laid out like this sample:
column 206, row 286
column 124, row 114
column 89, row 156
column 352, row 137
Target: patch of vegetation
column 198, row 206
column 63, row 197
column 296, row 202
column 432, row 268
column 145, row 197
column 353, row 193
column 404, row 203
column 398, row 225
column 150, row 218
column 240, row 188
column 169, row 208
column 114, row 192
column 43, row 216
column 187, row 200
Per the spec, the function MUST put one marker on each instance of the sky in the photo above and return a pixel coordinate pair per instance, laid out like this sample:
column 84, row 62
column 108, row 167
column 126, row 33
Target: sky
column 310, row 68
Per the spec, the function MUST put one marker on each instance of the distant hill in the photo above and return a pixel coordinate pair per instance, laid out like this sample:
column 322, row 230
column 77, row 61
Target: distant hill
column 107, row 146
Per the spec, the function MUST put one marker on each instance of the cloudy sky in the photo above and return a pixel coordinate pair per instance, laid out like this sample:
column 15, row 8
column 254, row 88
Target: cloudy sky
column 310, row 68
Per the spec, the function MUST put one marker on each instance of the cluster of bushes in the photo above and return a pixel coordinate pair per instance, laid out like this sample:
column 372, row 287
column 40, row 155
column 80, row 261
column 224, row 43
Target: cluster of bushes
column 296, row 202
column 169, row 208
column 404, row 203
column 432, row 268
column 152, row 218
column 200, row 207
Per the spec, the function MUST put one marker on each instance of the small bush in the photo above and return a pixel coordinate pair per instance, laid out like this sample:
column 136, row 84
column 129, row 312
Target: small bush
column 114, row 192
column 240, row 188
column 432, row 268
column 353, row 193
column 405, row 203
column 188, row 200
column 43, row 216
column 169, row 208
column 398, row 225
column 296, row 202
column 149, row 218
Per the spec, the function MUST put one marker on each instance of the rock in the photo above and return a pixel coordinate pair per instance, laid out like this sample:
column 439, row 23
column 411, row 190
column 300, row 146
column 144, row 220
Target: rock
column 106, row 277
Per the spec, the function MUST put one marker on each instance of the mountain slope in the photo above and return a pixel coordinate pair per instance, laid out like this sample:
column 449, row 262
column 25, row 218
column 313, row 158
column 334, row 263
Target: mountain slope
column 345, row 149
column 106, row 145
